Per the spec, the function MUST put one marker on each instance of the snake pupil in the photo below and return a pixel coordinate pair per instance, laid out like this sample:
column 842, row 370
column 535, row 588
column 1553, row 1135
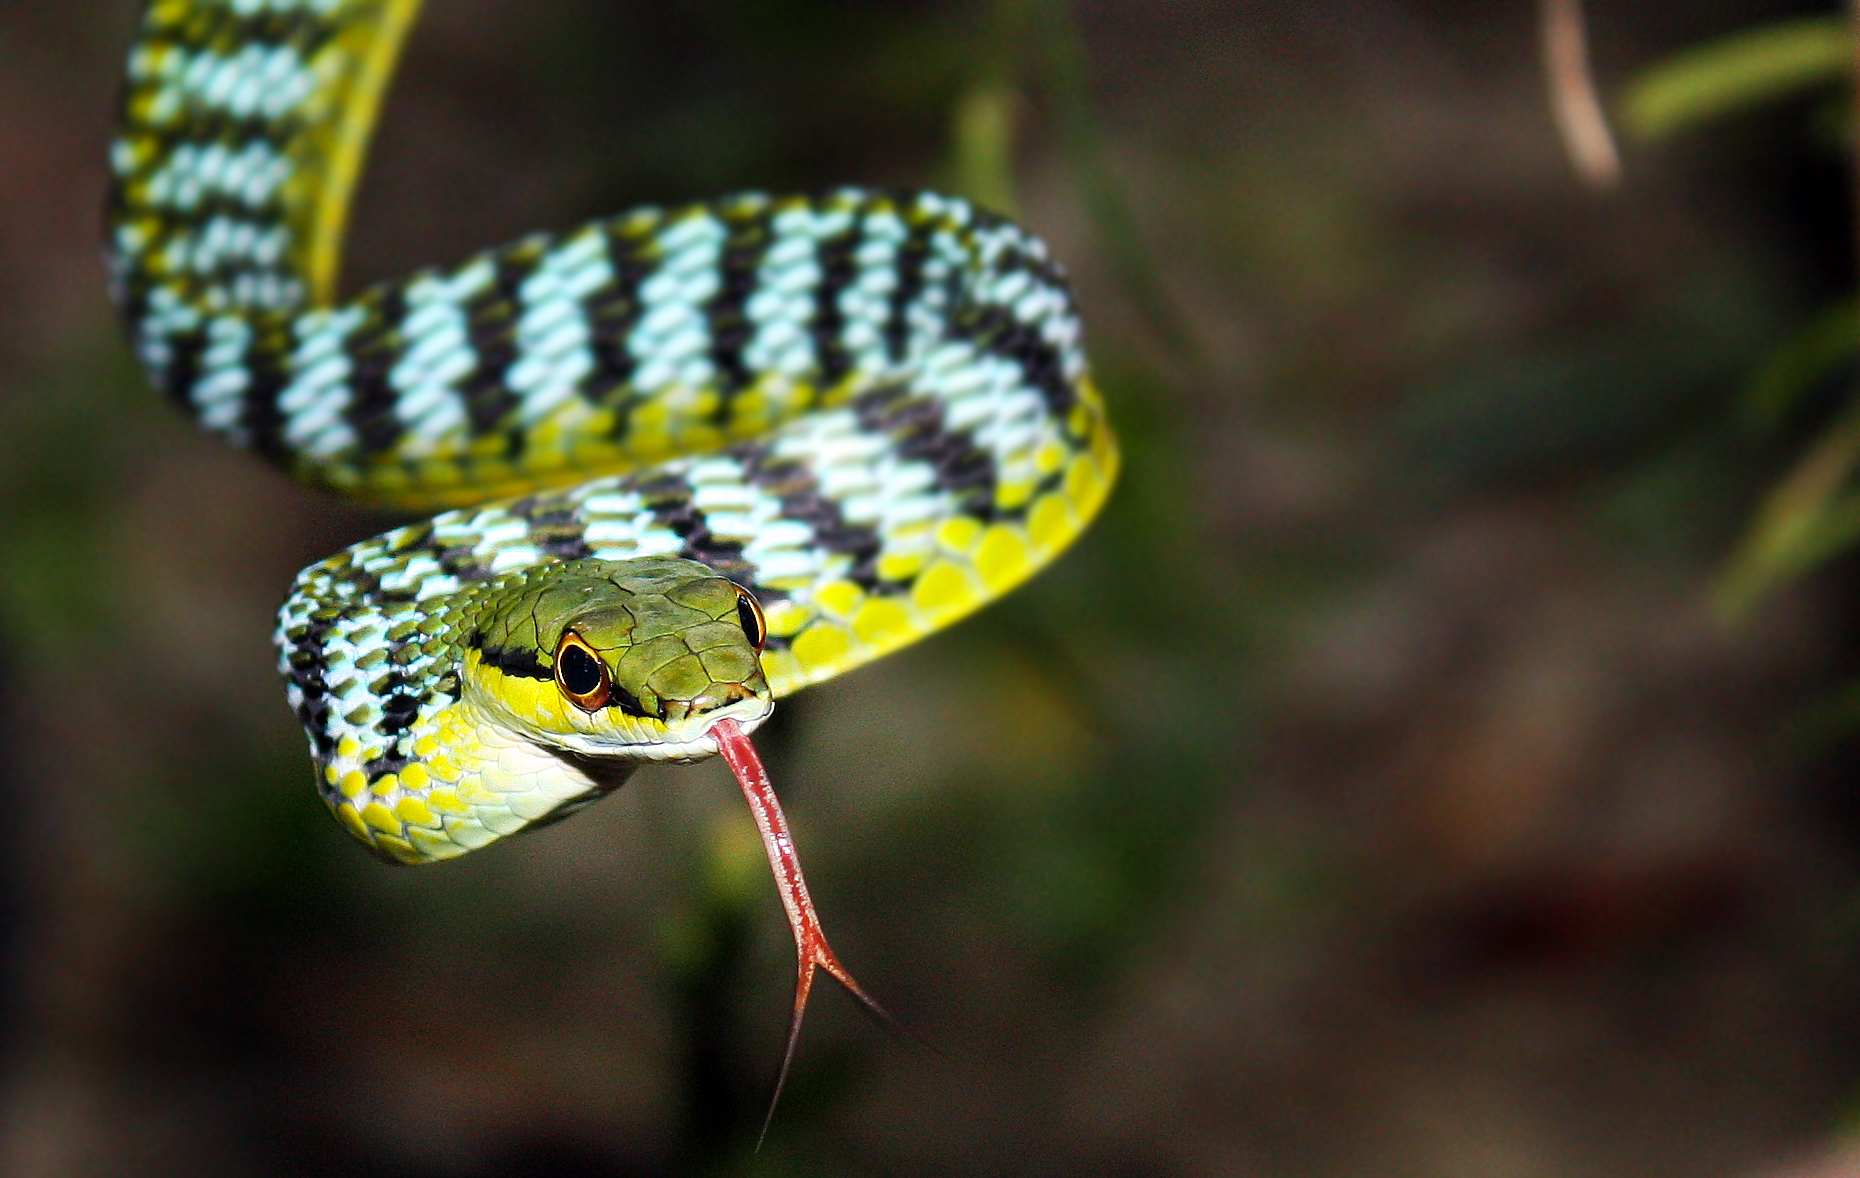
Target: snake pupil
column 580, row 674
column 749, row 613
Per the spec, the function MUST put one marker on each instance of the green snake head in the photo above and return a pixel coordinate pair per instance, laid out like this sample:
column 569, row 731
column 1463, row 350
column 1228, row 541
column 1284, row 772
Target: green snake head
column 632, row 659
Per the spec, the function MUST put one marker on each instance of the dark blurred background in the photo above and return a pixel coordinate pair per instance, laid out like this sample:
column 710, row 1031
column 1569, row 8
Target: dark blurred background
column 1376, row 790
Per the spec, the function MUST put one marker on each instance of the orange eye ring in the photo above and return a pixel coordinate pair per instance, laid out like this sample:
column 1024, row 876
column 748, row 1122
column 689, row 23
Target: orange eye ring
column 749, row 613
column 581, row 674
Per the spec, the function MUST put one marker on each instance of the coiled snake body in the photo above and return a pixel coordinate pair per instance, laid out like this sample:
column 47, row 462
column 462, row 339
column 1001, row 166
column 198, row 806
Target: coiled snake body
column 698, row 457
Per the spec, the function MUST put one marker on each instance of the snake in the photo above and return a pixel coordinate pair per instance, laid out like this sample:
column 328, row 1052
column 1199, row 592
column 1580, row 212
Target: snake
column 687, row 460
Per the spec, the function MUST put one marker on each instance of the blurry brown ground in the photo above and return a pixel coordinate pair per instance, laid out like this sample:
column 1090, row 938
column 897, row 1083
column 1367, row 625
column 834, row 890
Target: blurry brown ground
column 1372, row 793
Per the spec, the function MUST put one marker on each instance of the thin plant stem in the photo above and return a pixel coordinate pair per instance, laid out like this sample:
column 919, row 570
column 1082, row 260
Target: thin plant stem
column 1573, row 101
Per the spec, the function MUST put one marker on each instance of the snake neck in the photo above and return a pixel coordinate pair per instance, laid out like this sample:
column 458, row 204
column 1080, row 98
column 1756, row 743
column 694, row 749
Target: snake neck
column 465, row 780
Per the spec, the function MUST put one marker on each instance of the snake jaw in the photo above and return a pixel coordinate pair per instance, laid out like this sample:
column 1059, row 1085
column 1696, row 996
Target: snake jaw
column 679, row 741
column 697, row 734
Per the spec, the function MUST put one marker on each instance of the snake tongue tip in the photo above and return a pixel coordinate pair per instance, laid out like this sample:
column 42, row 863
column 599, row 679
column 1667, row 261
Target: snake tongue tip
column 812, row 951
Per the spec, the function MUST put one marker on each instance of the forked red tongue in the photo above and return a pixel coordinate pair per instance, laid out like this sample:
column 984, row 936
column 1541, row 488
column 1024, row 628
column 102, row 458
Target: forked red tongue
column 810, row 943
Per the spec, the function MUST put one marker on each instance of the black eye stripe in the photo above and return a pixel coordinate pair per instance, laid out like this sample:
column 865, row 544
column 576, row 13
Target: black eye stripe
column 628, row 703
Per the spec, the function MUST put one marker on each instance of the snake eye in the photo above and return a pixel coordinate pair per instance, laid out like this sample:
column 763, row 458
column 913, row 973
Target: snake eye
column 581, row 674
column 749, row 612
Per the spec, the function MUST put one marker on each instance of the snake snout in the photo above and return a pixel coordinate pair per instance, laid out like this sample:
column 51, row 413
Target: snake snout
column 718, row 695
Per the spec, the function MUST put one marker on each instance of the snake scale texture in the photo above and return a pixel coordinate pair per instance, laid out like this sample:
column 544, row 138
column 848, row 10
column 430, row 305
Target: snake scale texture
column 694, row 458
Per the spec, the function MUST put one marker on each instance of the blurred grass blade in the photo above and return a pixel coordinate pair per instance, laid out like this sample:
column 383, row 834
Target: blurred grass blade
column 1737, row 72
column 1805, row 358
column 1805, row 520
column 985, row 122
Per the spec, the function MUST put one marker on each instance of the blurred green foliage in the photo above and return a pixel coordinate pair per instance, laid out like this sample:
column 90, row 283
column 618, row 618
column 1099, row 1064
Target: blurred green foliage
column 1812, row 514
column 1735, row 73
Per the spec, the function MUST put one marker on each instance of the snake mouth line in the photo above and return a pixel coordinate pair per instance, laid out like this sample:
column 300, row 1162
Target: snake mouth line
column 709, row 704
column 691, row 739
column 747, row 715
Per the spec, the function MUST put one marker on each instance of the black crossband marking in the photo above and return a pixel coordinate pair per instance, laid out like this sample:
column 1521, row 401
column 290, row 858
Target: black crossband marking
column 726, row 312
column 612, row 312
column 837, row 256
column 373, row 350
